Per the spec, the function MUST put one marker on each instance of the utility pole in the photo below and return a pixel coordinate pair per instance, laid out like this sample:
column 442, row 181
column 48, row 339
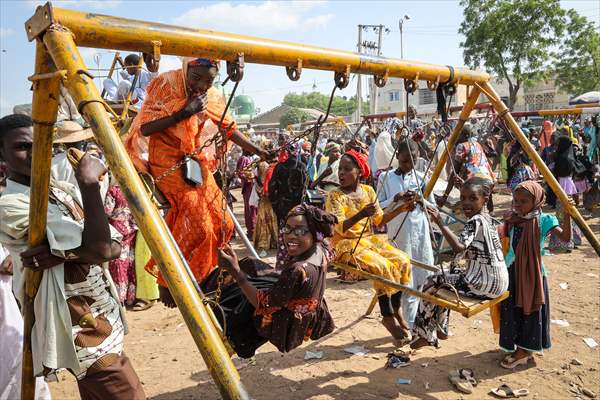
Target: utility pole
column 369, row 47
column 401, row 26
column 358, row 81
column 374, row 88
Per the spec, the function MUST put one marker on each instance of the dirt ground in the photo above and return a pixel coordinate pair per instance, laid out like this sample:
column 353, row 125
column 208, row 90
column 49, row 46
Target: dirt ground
column 170, row 366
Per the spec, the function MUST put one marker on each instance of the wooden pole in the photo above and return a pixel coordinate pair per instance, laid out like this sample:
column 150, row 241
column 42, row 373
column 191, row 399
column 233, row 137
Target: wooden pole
column 44, row 108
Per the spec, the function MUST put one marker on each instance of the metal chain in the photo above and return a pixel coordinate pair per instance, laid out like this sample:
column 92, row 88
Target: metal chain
column 213, row 140
column 313, row 149
column 221, row 152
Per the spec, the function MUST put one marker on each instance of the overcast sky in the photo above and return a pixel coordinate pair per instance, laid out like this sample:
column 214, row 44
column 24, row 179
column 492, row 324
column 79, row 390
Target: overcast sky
column 429, row 36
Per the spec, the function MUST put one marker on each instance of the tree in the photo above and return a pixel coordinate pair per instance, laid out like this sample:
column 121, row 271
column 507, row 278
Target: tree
column 513, row 39
column 578, row 59
column 340, row 106
column 292, row 116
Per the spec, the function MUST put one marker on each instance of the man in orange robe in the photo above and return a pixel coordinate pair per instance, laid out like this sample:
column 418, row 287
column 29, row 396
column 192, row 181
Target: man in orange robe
column 181, row 112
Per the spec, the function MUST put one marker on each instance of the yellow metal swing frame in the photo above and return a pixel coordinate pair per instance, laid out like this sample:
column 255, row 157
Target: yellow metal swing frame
column 59, row 32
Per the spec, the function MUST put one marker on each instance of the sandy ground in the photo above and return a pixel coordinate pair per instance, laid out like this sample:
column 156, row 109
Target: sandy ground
column 170, row 366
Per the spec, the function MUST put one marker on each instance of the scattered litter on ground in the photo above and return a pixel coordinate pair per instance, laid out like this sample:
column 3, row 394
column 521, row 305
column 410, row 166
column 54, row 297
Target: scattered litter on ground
column 397, row 359
column 563, row 285
column 560, row 322
column 592, row 275
column 311, row 355
column 356, row 350
column 592, row 344
column 403, row 381
column 576, row 362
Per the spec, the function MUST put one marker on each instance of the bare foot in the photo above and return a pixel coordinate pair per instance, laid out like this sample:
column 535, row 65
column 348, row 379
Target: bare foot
column 393, row 328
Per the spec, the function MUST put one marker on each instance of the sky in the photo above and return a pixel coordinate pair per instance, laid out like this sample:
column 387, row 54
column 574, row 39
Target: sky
column 430, row 35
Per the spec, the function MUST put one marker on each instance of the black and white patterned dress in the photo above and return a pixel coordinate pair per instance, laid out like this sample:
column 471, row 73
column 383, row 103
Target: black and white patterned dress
column 486, row 273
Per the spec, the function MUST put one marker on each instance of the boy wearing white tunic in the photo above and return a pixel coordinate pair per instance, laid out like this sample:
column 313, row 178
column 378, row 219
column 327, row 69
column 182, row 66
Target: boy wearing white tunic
column 409, row 232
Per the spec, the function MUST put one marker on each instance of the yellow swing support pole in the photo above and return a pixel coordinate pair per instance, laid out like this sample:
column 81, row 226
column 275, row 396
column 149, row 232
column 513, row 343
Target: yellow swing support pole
column 44, row 108
column 464, row 115
column 60, row 44
column 504, row 113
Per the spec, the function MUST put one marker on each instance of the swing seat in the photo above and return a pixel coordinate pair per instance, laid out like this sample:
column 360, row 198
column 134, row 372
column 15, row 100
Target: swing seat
column 466, row 306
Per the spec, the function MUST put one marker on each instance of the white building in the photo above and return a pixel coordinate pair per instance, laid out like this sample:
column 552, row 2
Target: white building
column 391, row 98
column 544, row 95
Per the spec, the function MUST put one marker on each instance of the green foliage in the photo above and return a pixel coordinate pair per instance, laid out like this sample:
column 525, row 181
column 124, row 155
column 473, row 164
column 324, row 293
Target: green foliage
column 292, row 116
column 512, row 39
column 577, row 65
column 340, row 106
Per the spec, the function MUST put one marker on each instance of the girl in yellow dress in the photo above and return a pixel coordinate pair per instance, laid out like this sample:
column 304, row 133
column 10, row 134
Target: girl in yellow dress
column 355, row 205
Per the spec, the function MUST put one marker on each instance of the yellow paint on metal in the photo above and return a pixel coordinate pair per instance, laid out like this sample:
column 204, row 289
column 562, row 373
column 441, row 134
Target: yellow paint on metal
column 102, row 31
column 560, row 111
column 61, row 46
column 441, row 164
column 44, row 107
column 541, row 165
column 596, row 104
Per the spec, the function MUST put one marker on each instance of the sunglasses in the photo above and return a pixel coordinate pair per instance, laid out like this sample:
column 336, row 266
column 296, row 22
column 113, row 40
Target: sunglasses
column 298, row 231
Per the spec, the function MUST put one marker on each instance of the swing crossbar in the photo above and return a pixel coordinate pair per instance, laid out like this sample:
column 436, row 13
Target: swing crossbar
column 466, row 306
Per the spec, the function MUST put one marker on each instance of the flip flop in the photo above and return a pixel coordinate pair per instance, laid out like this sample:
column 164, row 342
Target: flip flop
column 142, row 305
column 469, row 375
column 505, row 392
column 461, row 384
column 511, row 363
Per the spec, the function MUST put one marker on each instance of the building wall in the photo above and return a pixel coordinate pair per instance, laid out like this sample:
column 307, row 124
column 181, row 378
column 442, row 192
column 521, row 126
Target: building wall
column 544, row 95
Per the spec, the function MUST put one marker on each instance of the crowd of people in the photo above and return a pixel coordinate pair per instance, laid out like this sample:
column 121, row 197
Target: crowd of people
column 313, row 201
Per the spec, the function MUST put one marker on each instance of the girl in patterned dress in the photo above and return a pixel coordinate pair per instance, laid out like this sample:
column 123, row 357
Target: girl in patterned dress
column 356, row 207
column 485, row 275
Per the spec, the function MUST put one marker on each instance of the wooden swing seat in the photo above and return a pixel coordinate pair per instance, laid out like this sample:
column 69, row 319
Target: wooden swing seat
column 466, row 306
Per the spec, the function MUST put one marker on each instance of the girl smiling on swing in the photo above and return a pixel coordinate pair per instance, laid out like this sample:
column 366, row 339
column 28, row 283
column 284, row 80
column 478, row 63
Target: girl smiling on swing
column 356, row 207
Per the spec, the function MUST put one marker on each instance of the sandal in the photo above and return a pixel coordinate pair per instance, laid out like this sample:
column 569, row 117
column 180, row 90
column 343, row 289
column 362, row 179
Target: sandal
column 506, row 392
column 141, row 305
column 510, row 362
column 460, row 383
column 469, row 375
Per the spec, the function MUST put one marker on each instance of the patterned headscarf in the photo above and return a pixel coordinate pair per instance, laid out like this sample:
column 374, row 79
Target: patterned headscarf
column 362, row 161
column 320, row 223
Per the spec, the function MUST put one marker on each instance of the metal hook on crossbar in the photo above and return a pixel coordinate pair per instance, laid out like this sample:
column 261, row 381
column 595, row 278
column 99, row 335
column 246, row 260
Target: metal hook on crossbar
column 235, row 69
column 342, row 79
column 294, row 72
column 152, row 61
column 410, row 85
column 381, row 80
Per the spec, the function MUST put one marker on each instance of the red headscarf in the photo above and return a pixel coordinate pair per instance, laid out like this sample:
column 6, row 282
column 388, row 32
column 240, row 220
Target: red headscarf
column 362, row 160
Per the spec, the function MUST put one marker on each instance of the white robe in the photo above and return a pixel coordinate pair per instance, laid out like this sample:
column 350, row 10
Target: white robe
column 11, row 343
